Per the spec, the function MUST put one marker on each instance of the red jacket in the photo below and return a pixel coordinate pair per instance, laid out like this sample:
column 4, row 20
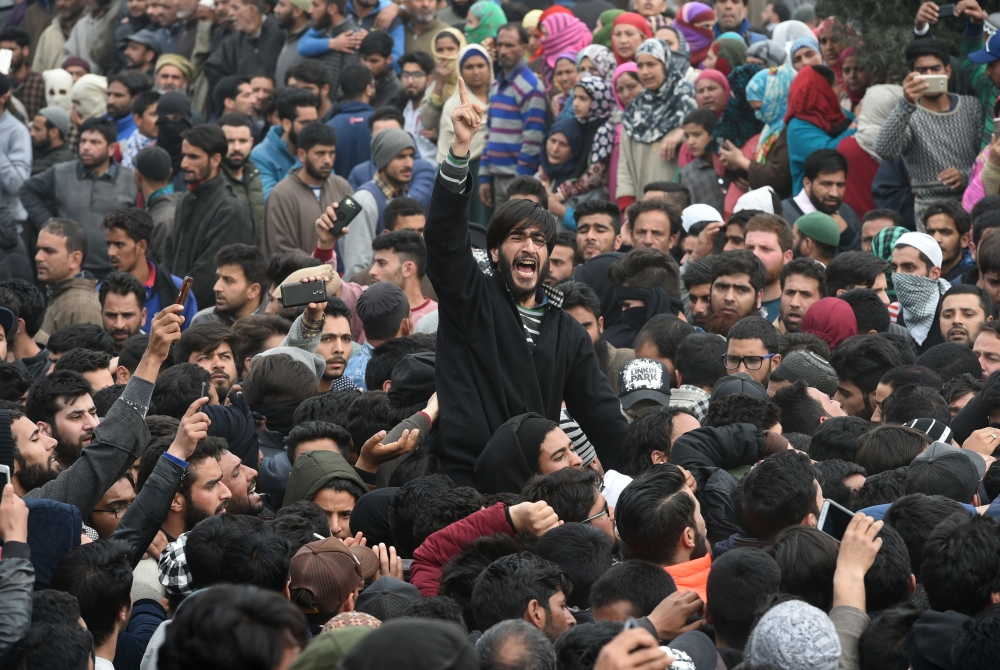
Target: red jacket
column 440, row 547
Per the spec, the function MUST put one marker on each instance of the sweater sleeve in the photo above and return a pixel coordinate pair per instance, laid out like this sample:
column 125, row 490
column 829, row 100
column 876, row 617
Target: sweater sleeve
column 532, row 131
column 149, row 510
column 422, row 184
column 15, row 165
column 35, row 193
column 626, row 184
column 17, row 580
column 895, row 136
column 850, row 623
column 314, row 43
column 440, row 547
column 775, row 172
column 356, row 246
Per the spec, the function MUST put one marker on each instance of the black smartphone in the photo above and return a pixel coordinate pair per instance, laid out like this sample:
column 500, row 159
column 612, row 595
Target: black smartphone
column 298, row 294
column 834, row 519
column 347, row 211
column 946, row 11
column 204, row 389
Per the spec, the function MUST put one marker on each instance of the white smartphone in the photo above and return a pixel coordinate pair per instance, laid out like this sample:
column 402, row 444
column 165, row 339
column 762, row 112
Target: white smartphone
column 936, row 83
column 4, row 475
column 6, row 56
column 834, row 519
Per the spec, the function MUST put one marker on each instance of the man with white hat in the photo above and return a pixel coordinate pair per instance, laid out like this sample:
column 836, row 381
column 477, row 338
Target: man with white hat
column 916, row 276
column 690, row 217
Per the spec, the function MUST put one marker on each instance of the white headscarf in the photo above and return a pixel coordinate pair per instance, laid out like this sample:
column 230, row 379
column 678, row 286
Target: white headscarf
column 90, row 96
column 58, row 84
column 789, row 31
column 878, row 102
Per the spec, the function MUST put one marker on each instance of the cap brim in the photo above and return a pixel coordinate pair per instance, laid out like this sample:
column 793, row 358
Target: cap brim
column 982, row 56
column 367, row 559
column 630, row 399
column 8, row 321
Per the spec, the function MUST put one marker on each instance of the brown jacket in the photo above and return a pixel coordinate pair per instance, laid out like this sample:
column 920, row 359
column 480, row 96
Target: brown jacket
column 291, row 211
column 72, row 301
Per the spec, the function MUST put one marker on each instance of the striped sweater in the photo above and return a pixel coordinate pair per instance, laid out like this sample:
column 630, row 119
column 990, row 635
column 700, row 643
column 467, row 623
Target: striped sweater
column 515, row 126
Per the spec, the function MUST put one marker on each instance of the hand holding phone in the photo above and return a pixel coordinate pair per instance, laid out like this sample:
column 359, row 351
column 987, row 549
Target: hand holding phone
column 834, row 519
column 299, row 293
column 946, row 11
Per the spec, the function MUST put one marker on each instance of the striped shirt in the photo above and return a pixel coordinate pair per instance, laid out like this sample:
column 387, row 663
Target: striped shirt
column 515, row 126
column 531, row 319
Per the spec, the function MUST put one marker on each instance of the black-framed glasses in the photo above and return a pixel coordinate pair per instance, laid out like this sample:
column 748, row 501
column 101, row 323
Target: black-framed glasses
column 117, row 511
column 599, row 514
column 750, row 362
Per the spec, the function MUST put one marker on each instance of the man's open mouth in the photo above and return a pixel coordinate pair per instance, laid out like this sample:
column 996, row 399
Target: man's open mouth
column 525, row 267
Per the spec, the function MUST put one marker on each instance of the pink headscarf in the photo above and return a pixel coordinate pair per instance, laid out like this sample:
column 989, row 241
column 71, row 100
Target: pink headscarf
column 564, row 32
column 630, row 66
column 718, row 78
column 832, row 319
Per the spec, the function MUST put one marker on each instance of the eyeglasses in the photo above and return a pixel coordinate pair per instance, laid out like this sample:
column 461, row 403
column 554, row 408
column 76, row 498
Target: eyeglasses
column 598, row 515
column 117, row 511
column 750, row 362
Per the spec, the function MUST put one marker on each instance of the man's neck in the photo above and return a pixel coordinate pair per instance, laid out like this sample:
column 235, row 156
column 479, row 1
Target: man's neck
column 250, row 308
column 298, row 25
column 19, row 490
column 531, row 302
column 25, row 347
column 141, row 270
column 325, row 384
column 772, row 291
column 173, row 525
column 289, row 145
column 211, row 176
column 948, row 266
column 507, row 73
column 107, row 650
column 308, row 178
column 942, row 103
column 413, row 293
column 149, row 189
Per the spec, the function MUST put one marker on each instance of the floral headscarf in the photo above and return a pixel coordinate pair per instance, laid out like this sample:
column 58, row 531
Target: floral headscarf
column 698, row 39
column 770, row 88
column 602, row 107
column 653, row 114
column 491, row 18
column 563, row 32
column 739, row 123
column 452, row 81
column 607, row 19
column 602, row 58
column 731, row 50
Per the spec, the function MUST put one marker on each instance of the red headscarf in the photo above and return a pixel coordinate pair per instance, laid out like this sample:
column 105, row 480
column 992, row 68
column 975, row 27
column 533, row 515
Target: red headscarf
column 832, row 319
column 812, row 99
column 637, row 22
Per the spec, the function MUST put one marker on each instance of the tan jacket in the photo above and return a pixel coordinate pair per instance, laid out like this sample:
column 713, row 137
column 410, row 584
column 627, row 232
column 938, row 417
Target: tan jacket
column 640, row 164
column 72, row 301
column 48, row 53
column 291, row 211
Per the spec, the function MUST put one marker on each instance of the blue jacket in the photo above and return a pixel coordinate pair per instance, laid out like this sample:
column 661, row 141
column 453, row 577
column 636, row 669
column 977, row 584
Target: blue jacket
column 154, row 303
column 803, row 139
column 354, row 137
column 273, row 160
column 421, row 186
column 53, row 530
column 147, row 615
column 317, row 42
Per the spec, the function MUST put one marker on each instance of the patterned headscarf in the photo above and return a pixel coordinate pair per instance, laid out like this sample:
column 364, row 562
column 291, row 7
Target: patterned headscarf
column 491, row 18
column 602, row 107
column 653, row 114
column 739, row 122
column 452, row 81
column 561, row 33
column 882, row 245
column 602, row 58
column 731, row 50
column 607, row 19
column 770, row 88
column 789, row 31
column 698, row 39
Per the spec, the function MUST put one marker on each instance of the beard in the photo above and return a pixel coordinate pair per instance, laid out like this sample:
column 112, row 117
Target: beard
column 773, row 275
column 461, row 9
column 520, row 293
column 335, row 359
column 720, row 322
column 316, row 173
column 324, row 23
column 67, row 453
column 35, row 475
column 43, row 145
column 243, row 506
column 193, row 514
column 235, row 162
column 822, row 206
column 700, row 546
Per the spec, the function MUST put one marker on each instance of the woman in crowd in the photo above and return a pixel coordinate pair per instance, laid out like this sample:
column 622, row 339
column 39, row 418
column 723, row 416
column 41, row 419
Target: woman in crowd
column 563, row 78
column 447, row 45
column 767, row 94
column 561, row 33
column 576, row 169
column 626, row 87
column 814, row 118
column 597, row 60
column 737, row 135
column 652, row 122
column 711, row 91
column 789, row 31
column 530, row 24
column 855, row 78
column 805, row 51
column 767, row 53
column 726, row 53
column 859, row 149
column 630, row 29
column 483, row 23
column 832, row 36
column 605, row 24
column 695, row 21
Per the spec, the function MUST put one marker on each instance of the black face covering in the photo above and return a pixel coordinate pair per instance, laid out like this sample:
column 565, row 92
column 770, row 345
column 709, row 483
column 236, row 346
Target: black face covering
column 169, row 139
column 635, row 317
column 461, row 9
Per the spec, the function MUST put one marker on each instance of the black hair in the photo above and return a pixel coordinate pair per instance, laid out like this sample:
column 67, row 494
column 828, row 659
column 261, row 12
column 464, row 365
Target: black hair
column 578, row 294
column 283, row 264
column 289, row 100
column 421, row 59
column 122, row 283
column 378, row 42
column 509, row 584
column 386, row 113
column 233, row 626
column 49, row 394
column 133, row 351
column 354, row 80
column 642, row 584
column 789, row 342
column 887, row 447
column 416, row 466
column 887, row 582
column 310, row 71
column 779, row 492
column 279, row 378
column 699, row 272
column 234, row 120
column 518, row 216
column 755, row 328
column 260, row 558
column 579, row 647
column 205, row 337
column 951, row 359
column 143, row 101
column 807, row 558
column 665, row 332
column 891, row 214
column 740, row 261
column 405, row 506
column 527, row 185
column 832, row 474
column 81, row 336
column 651, row 431
column 953, row 210
column 210, row 539
column 407, row 244
column 961, row 385
column 401, row 206
column 179, row 386
column 961, row 564
column 309, row 431
column 522, row 34
column 100, row 125
column 869, row 310
column 582, row 551
column 705, row 118
column 228, row 88
column 331, row 407
column 309, row 511
column 207, row 137
column 853, row 269
column 254, row 330
column 863, row 359
column 590, row 207
column 15, row 381
column 444, row 509
column 16, row 35
column 646, row 267
column 699, row 360
column 742, row 408
column 250, row 259
column 437, row 607
column 386, row 356
column 652, row 513
column 915, row 402
column 800, row 413
column 807, row 267
column 30, row 304
column 514, row 643
column 882, row 646
column 823, row 161
column 71, row 231
column 738, row 584
column 55, row 608
column 297, row 530
column 976, row 648
column 36, row 651
column 82, row 361
column 911, row 374
column 781, row 10
column 459, row 575
column 570, row 492
column 925, row 46
column 105, row 399
column 100, row 576
column 316, row 133
column 135, row 222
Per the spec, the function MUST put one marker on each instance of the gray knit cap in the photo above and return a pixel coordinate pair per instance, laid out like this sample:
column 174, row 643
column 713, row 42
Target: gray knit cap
column 768, row 51
column 804, row 364
column 794, row 636
column 58, row 117
column 388, row 144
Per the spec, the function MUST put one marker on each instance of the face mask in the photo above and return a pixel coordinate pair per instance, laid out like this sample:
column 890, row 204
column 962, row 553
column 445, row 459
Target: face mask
column 918, row 301
column 169, row 137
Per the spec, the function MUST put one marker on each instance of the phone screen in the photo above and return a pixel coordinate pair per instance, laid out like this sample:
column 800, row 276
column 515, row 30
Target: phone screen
column 834, row 519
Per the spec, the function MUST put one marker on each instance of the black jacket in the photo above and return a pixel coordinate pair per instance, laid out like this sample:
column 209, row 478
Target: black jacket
column 149, row 510
column 485, row 372
column 207, row 219
column 240, row 53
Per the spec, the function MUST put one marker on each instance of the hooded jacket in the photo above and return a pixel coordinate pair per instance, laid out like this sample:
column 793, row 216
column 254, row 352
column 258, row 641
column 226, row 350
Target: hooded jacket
column 315, row 469
column 250, row 190
column 292, row 209
column 72, row 301
column 510, row 458
column 272, row 159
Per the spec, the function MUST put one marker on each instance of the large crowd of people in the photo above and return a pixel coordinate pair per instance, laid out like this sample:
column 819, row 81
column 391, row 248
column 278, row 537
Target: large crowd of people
column 461, row 334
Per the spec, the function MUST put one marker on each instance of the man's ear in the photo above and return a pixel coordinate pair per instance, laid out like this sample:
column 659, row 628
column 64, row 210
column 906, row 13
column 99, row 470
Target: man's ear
column 658, row 457
column 409, row 269
column 760, row 298
column 680, row 380
column 122, row 375
column 618, row 241
column 534, row 614
column 386, row 385
column 142, row 315
column 45, row 429
column 301, row 154
column 254, row 290
column 600, row 325
column 178, row 504
column 775, row 361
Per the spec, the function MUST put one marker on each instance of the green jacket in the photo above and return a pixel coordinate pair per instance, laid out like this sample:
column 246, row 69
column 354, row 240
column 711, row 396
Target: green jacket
column 313, row 470
column 251, row 192
column 982, row 86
